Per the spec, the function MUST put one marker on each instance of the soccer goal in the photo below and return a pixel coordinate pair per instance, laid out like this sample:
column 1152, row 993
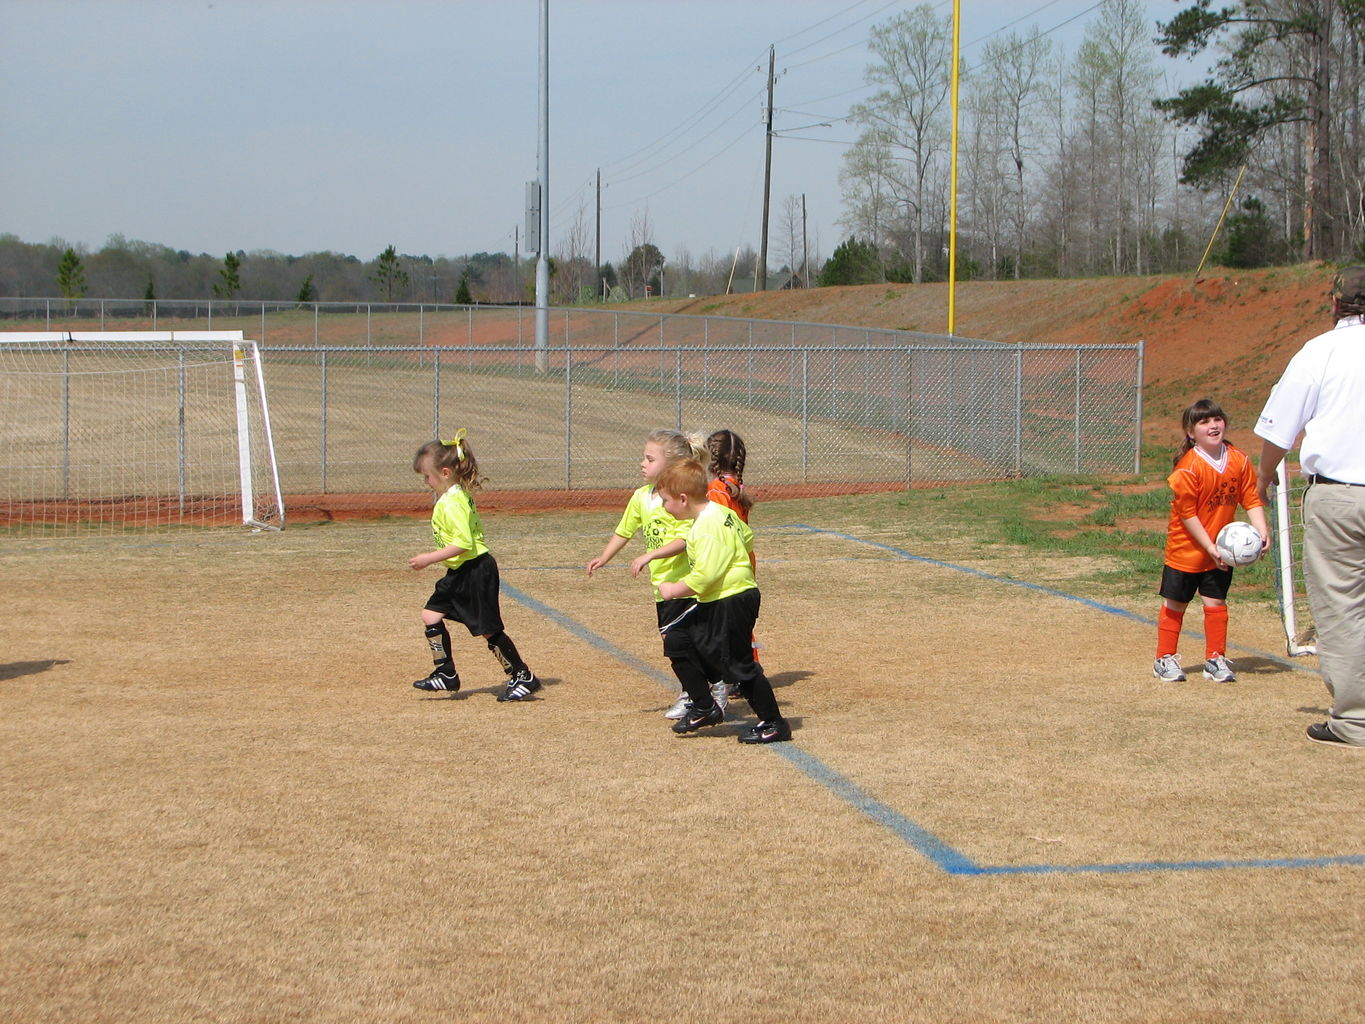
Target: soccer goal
column 108, row 431
column 1287, row 513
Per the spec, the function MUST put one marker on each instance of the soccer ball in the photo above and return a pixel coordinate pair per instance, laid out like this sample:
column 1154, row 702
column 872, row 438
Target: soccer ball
column 1238, row 543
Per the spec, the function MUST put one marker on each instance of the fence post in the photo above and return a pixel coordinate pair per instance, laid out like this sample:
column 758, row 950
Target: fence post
column 315, row 323
column 180, row 432
column 1077, row 424
column 1019, row 412
column 66, row 423
column 322, row 439
column 909, row 416
column 154, row 314
column 101, row 314
column 422, row 325
column 436, row 393
column 677, row 389
column 210, row 303
column 1137, row 424
column 568, row 419
column 805, row 412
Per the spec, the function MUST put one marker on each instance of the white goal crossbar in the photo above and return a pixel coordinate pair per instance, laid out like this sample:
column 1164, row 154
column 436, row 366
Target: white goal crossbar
column 135, row 426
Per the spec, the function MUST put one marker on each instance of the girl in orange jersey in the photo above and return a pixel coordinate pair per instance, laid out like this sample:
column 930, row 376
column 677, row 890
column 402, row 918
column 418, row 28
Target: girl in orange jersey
column 1211, row 478
column 726, row 472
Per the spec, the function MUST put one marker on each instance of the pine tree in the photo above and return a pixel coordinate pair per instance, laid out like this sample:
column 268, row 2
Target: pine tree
column 388, row 274
column 232, row 282
column 71, row 275
column 462, row 294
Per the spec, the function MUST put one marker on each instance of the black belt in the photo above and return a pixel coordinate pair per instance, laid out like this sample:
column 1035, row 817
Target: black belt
column 1318, row 478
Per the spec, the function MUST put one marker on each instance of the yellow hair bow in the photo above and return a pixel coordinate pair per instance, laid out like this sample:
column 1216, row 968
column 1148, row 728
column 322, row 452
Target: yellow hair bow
column 454, row 442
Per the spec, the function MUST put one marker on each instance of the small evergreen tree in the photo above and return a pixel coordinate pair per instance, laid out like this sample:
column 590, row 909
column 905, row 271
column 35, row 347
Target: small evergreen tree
column 462, row 294
column 307, row 293
column 149, row 296
column 388, row 274
column 1251, row 239
column 854, row 262
column 231, row 282
column 71, row 275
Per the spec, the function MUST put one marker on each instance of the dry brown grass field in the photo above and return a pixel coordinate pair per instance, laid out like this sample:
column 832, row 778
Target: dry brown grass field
column 223, row 801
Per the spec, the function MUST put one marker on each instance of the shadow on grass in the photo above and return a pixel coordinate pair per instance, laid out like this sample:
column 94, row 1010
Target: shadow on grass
column 15, row 669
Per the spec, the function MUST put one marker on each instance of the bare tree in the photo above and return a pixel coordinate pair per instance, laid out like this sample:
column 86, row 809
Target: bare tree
column 909, row 112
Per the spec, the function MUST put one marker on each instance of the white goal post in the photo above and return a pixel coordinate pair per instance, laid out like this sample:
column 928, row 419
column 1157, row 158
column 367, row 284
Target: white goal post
column 109, row 431
column 1286, row 511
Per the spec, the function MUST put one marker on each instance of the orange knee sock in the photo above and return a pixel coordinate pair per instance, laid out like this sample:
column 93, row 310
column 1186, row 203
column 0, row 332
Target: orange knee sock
column 1168, row 631
column 1215, row 629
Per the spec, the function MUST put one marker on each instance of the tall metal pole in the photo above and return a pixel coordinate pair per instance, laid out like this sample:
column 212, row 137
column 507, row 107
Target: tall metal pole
column 952, row 189
column 543, row 173
column 761, row 280
column 805, row 248
column 597, row 261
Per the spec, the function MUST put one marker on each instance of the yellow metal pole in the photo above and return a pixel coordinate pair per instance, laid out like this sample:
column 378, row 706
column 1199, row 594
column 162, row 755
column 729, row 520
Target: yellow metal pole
column 952, row 187
column 1219, row 226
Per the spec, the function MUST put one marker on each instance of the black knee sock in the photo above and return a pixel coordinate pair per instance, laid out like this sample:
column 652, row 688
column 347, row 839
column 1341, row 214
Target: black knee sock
column 506, row 652
column 692, row 677
column 438, row 639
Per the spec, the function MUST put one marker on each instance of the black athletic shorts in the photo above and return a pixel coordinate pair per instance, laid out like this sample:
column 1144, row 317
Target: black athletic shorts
column 1182, row 586
column 469, row 595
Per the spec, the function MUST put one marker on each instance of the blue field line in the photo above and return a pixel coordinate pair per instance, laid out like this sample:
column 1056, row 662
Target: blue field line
column 1108, row 609
column 924, row 842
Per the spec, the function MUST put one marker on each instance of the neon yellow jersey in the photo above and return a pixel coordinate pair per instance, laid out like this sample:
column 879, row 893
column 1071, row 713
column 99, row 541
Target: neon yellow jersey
column 645, row 515
column 718, row 548
column 455, row 520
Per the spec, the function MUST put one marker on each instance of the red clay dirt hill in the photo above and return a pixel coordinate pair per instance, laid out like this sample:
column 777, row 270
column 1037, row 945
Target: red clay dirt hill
column 1226, row 336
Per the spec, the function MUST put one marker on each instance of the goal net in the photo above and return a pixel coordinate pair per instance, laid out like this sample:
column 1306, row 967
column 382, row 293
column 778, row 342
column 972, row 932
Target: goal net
column 106, row 432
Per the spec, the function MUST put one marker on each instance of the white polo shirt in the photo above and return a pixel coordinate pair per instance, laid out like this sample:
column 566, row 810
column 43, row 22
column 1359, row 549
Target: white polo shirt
column 1322, row 393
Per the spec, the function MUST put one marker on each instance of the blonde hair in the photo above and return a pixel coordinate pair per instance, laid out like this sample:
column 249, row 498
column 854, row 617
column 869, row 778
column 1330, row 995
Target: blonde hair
column 676, row 445
column 454, row 455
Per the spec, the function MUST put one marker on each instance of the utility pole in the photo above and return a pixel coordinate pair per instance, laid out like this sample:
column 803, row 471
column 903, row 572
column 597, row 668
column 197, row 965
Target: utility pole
column 761, row 281
column 597, row 261
column 543, row 154
column 805, row 250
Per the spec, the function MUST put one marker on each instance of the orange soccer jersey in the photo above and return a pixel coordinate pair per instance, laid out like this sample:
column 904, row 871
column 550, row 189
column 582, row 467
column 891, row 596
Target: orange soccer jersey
column 718, row 491
column 1209, row 494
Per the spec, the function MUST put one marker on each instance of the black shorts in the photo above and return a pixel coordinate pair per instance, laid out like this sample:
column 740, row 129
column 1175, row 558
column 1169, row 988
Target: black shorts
column 723, row 632
column 677, row 641
column 1182, row 586
column 469, row 595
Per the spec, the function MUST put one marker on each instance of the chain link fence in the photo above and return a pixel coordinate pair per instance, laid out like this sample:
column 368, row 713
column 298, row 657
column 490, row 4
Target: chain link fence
column 354, row 389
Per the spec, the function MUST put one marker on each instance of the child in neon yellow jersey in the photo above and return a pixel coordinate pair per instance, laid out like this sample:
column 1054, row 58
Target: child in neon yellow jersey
column 721, row 578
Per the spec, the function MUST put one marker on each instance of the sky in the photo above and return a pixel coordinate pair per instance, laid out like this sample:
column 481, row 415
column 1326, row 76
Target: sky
column 351, row 125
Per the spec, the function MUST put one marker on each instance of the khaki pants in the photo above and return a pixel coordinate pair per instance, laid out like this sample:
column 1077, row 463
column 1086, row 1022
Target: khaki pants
column 1334, row 569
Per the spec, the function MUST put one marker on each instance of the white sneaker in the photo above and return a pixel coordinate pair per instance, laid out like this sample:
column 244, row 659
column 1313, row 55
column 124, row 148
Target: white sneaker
column 680, row 707
column 1167, row 669
column 1219, row 669
column 720, row 693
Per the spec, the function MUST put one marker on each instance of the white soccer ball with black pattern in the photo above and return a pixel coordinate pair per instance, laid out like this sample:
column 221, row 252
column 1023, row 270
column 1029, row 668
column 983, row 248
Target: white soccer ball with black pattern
column 1238, row 543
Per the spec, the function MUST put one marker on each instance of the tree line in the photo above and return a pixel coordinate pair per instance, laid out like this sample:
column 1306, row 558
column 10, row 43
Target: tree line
column 1082, row 165
column 1067, row 166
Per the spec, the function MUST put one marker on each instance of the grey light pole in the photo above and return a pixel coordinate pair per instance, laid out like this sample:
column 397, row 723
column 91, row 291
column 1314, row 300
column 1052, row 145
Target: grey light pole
column 543, row 173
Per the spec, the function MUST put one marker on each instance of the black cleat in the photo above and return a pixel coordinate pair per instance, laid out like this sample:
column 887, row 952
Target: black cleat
column 767, row 732
column 698, row 719
column 520, row 686
column 437, row 682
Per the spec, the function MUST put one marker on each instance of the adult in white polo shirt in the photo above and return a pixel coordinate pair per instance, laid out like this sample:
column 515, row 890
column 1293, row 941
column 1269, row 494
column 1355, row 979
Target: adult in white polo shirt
column 1322, row 394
